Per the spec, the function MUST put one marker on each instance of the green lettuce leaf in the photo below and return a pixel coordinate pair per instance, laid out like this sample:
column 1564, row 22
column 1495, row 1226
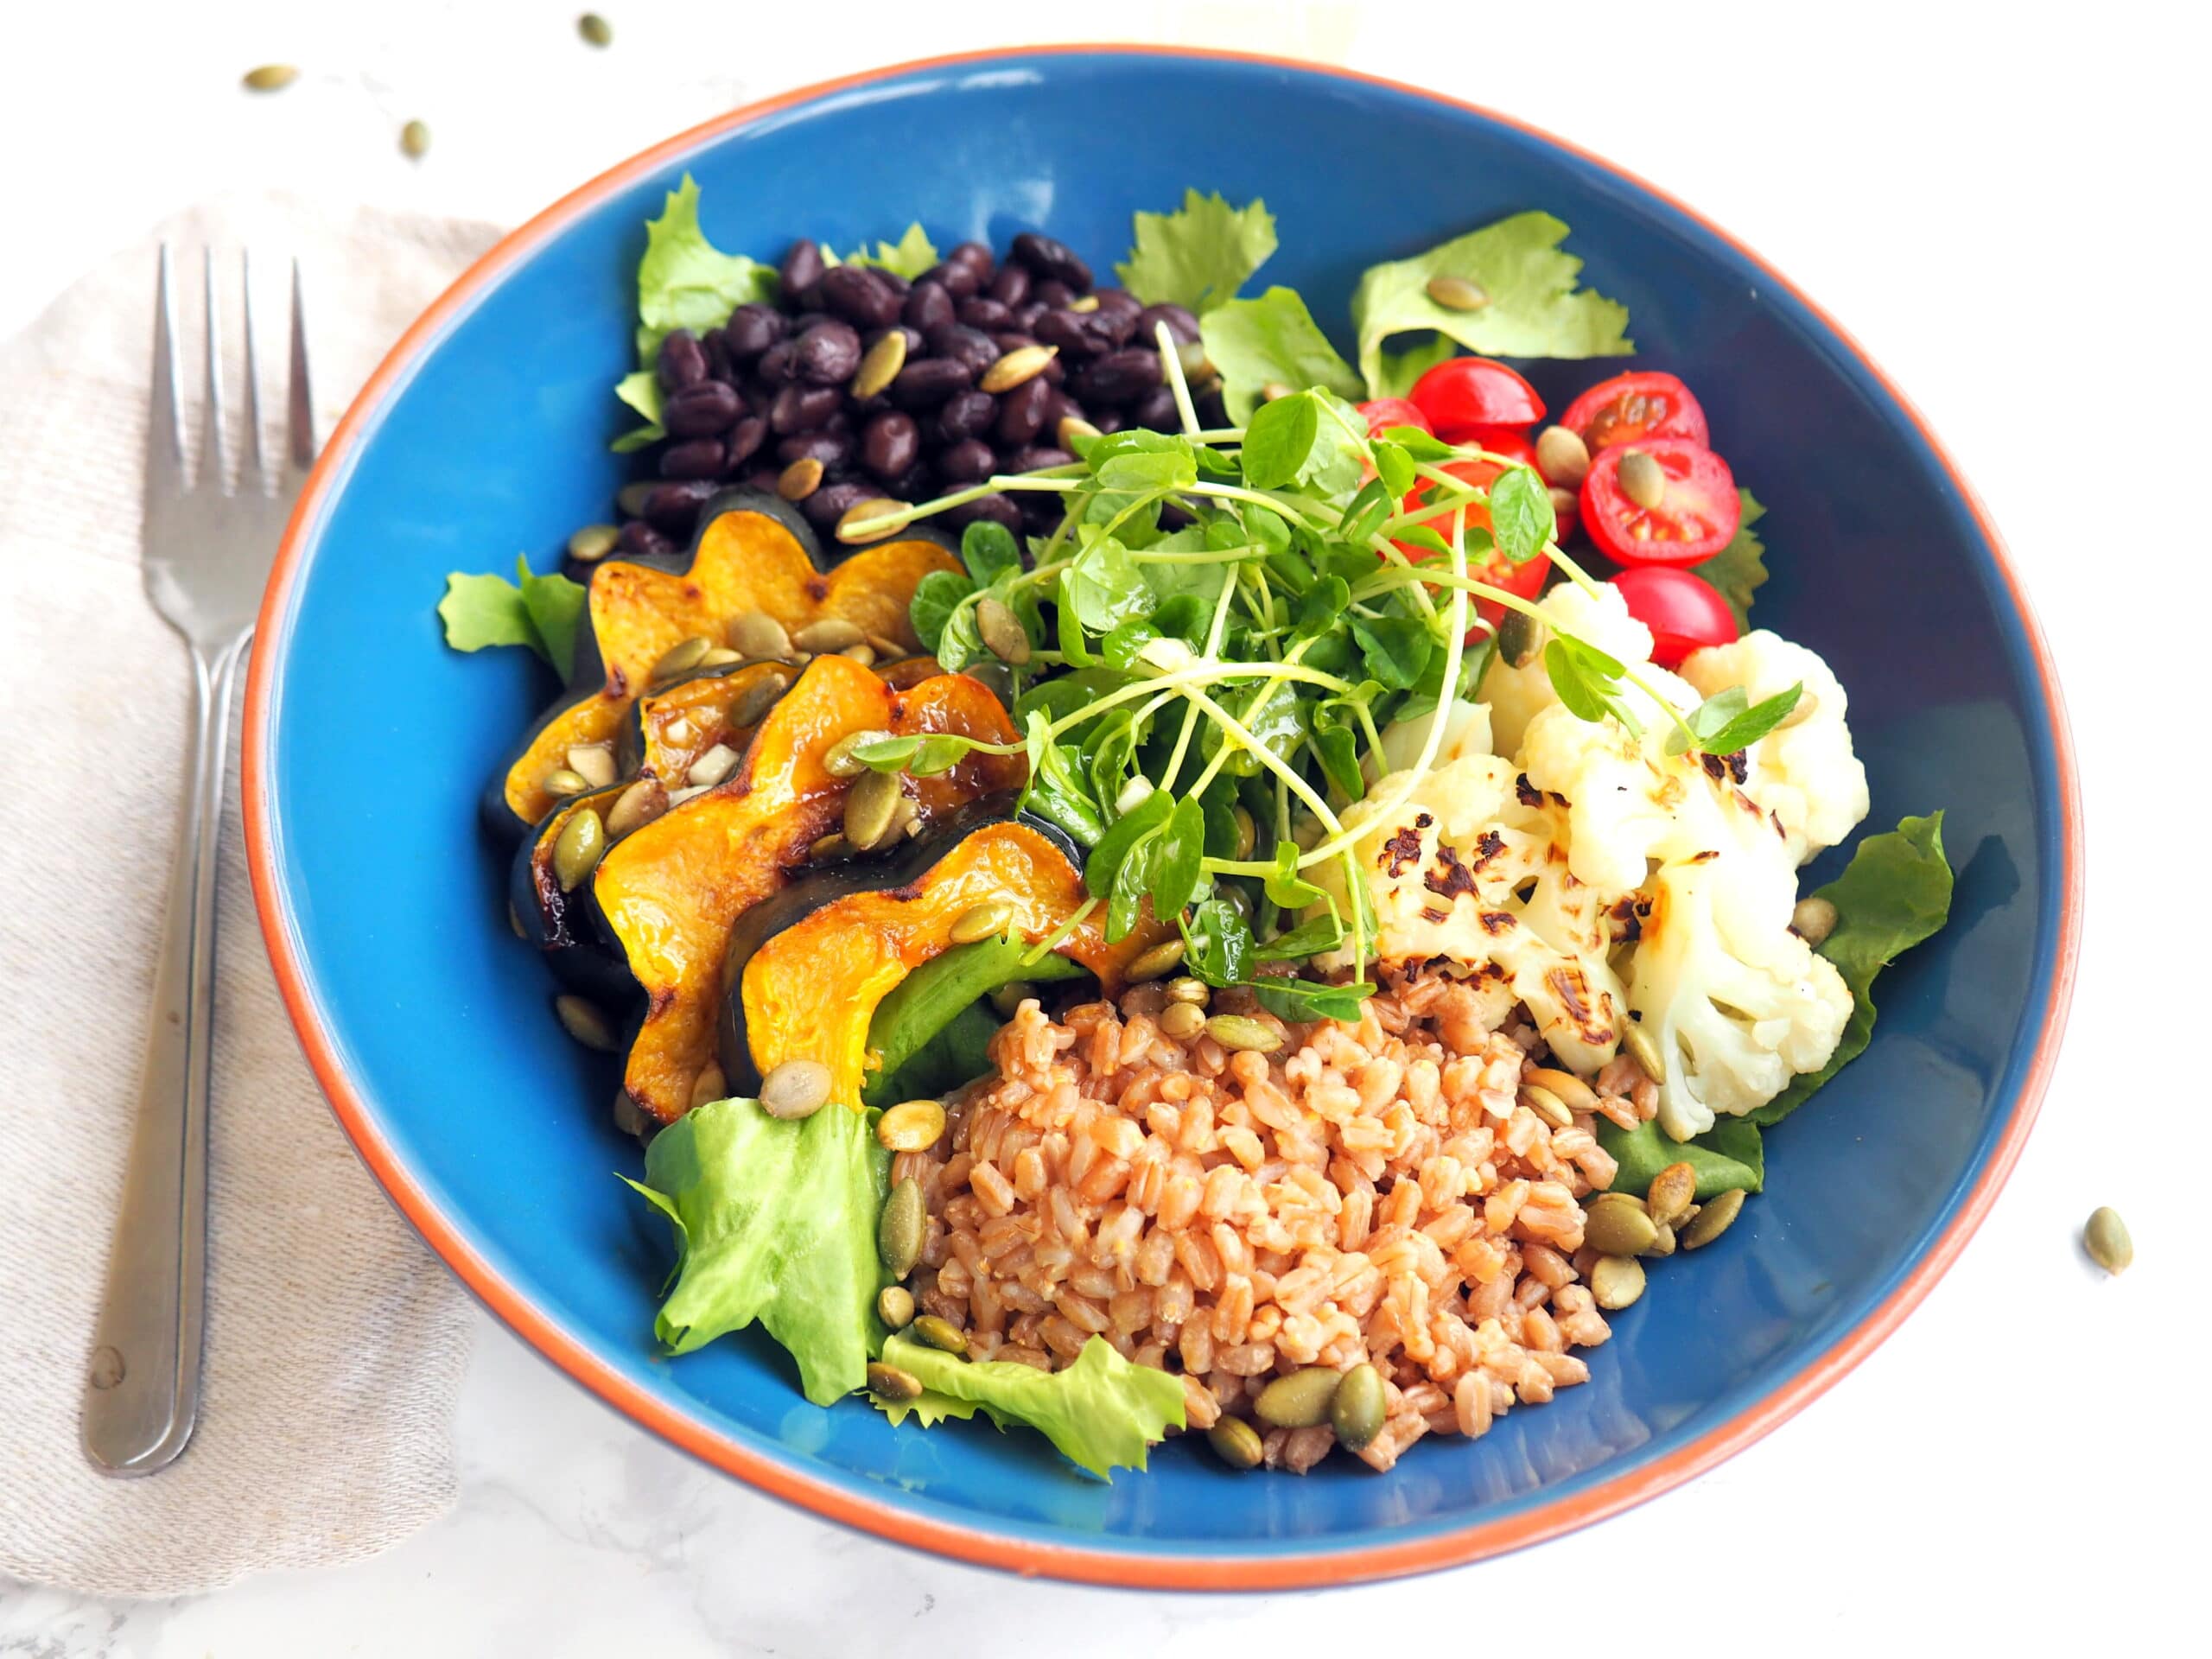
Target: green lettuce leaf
column 684, row 281
column 640, row 389
column 1729, row 1155
column 1895, row 893
column 543, row 612
column 1738, row 570
column 909, row 256
column 556, row 608
column 1400, row 369
column 1534, row 310
column 1271, row 338
column 776, row 1222
column 1102, row 1412
column 1200, row 256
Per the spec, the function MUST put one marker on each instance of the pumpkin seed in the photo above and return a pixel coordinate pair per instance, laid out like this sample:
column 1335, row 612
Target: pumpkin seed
column 1673, row 1189
column 889, row 1382
column 794, row 1089
column 894, row 1305
column 1616, row 1281
column 514, row 921
column 1663, row 1243
column 270, row 77
column 719, row 656
column 1240, row 1032
column 1182, row 1021
column 563, row 781
column 1191, row 357
column 582, row 1019
column 871, row 521
column 577, row 849
column 1457, row 293
column 1010, row 997
column 881, row 366
column 1578, row 1094
column 1359, row 1407
column 1187, row 989
column 1299, row 1401
column 1546, row 1105
column 870, row 807
column 1072, row 427
column 1644, row 1051
column 709, row 1085
column 681, row 658
column 886, row 648
column 1248, row 833
column 1151, row 964
column 1713, row 1218
column 828, row 633
column 833, row 845
column 981, row 921
column 632, row 498
column 799, row 480
column 1520, row 637
column 842, row 761
column 758, row 635
column 752, row 705
column 2104, row 1238
column 905, row 819
column 1087, row 303
column 629, row 1117
column 593, row 762
column 1641, row 480
column 713, row 766
column 1561, row 456
column 1617, row 1225
column 1813, row 918
column 1021, row 364
column 593, row 543
column 1800, row 712
column 941, row 1334
column 1563, row 502
column 635, row 807
column 594, row 29
column 911, row 1126
column 863, row 654
column 415, row 140
column 1236, row 1442
column 1002, row 631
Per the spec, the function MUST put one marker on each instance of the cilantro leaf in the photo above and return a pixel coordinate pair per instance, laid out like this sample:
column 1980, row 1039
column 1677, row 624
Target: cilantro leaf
column 1272, row 338
column 542, row 612
column 1198, row 257
column 684, row 281
column 1534, row 310
column 1738, row 570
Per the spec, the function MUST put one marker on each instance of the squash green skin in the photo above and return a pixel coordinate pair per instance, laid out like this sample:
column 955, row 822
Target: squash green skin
column 565, row 926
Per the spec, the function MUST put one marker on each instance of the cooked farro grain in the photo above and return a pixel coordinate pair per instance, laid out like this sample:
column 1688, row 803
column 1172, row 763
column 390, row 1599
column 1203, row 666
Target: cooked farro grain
column 1368, row 1191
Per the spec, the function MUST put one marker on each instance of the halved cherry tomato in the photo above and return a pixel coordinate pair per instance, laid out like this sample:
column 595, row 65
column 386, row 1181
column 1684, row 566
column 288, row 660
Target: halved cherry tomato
column 1684, row 612
column 1523, row 580
column 1630, row 408
column 1385, row 412
column 1696, row 514
column 1461, row 393
column 1500, row 441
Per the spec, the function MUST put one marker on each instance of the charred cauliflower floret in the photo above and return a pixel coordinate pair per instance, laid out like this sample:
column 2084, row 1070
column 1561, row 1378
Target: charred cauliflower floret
column 1804, row 772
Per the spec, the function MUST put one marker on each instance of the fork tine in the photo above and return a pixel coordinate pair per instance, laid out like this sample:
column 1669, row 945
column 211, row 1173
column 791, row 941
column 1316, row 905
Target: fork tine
column 214, row 465
column 299, row 398
column 256, row 449
column 164, row 425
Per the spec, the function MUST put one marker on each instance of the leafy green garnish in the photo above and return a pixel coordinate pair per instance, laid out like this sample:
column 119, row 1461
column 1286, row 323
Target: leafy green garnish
column 685, row 282
column 774, row 1220
column 1588, row 682
column 1102, row 1412
column 543, row 612
column 1534, row 308
column 1729, row 1155
column 1198, row 257
column 1521, row 514
column 1738, row 570
column 1727, row 723
column 930, row 1031
column 909, row 256
column 1271, row 340
column 640, row 389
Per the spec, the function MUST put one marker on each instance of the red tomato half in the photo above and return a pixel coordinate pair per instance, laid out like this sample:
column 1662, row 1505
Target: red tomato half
column 1523, row 580
column 1630, row 408
column 1499, row 441
column 1684, row 612
column 1385, row 412
column 1695, row 519
column 1462, row 392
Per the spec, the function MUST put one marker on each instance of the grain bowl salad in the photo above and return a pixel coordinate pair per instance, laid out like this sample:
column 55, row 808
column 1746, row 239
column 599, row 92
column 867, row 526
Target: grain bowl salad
column 1146, row 878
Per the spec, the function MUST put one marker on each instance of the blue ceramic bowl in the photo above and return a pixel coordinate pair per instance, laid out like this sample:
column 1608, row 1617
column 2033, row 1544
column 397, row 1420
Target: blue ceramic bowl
column 485, row 431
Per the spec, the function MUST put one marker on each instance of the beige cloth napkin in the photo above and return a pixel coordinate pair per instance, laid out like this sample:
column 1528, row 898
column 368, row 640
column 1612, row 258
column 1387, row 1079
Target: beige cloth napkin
column 335, row 1341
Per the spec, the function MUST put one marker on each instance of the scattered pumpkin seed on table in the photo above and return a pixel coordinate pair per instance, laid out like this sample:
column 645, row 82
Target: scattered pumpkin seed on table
column 1673, row 1189
column 1642, row 480
column 270, row 77
column 1182, row 1021
column 760, row 635
column 681, row 658
column 2104, row 1238
column 595, row 29
column 582, row 1019
column 1617, row 1225
column 829, row 633
column 415, row 140
column 1237, row 1031
column 1457, row 293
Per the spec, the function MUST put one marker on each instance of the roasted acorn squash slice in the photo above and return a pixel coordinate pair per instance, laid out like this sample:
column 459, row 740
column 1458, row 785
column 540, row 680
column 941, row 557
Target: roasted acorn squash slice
column 753, row 552
column 560, row 924
column 668, row 730
column 668, row 893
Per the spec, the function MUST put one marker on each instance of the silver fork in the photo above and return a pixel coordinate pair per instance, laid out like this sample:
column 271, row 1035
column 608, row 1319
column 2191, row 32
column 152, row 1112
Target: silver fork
column 206, row 556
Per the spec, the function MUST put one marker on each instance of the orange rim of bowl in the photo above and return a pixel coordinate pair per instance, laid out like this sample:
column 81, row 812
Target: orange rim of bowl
column 1034, row 1557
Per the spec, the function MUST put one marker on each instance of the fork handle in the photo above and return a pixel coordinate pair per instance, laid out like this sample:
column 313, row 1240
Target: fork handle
column 142, row 1393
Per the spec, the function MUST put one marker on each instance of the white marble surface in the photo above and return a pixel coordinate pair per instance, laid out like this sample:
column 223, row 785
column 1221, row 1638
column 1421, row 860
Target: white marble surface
column 2010, row 216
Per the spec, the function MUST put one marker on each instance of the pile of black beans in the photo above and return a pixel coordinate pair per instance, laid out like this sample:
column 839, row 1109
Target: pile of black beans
column 859, row 386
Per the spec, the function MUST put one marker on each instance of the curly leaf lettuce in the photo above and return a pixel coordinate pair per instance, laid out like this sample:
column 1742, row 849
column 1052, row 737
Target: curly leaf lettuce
column 543, row 612
column 909, row 256
column 1271, row 338
column 685, row 281
column 1199, row 257
column 1534, row 308
column 774, row 1220
column 1103, row 1413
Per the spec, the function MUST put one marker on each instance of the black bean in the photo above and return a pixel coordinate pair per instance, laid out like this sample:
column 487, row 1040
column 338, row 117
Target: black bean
column 702, row 409
column 719, row 367
column 983, row 313
column 1173, row 518
column 777, row 364
column 1181, row 325
column 832, row 449
column 929, row 306
column 863, row 297
column 673, row 508
column 890, row 444
column 744, row 438
column 964, row 345
column 1118, row 328
column 1118, row 299
column 976, row 255
column 1106, row 420
column 752, row 329
column 837, row 419
column 917, row 483
column 1058, row 407
column 965, row 415
column 1011, row 286
column 1046, row 257
column 1042, row 512
column 1026, row 313
column 802, row 408
column 1052, row 292
column 917, row 342
column 969, row 462
column 1212, row 408
column 930, row 381
column 959, row 281
column 996, row 508
column 682, row 361
column 1156, row 409
column 1011, row 340
column 640, row 540
column 802, row 267
column 1021, row 411
column 1027, row 458
column 695, row 458
column 1120, row 377
column 827, row 354
column 1073, row 333
column 763, row 478
column 831, row 503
